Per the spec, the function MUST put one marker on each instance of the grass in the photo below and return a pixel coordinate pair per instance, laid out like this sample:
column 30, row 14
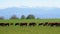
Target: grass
column 30, row 30
column 31, row 20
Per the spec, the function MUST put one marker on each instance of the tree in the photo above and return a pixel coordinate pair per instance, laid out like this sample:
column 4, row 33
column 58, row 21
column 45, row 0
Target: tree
column 22, row 17
column 30, row 16
column 14, row 17
column 1, row 18
column 38, row 18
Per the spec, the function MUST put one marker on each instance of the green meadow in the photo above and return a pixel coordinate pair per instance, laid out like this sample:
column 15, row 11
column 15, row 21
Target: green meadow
column 30, row 20
column 29, row 29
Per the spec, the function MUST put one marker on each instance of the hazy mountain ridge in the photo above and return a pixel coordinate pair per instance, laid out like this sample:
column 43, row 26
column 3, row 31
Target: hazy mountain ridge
column 38, row 12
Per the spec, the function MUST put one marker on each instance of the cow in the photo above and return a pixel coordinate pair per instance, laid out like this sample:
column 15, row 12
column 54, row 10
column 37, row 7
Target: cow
column 46, row 23
column 1, row 24
column 11, row 23
column 40, row 24
column 23, row 24
column 57, row 24
column 32, row 24
column 4, row 24
column 52, row 24
column 17, row 24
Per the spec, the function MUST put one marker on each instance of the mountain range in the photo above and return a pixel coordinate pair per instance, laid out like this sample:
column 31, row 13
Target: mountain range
column 38, row 12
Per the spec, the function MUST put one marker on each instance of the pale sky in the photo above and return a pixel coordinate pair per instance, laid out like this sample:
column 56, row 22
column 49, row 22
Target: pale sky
column 29, row 3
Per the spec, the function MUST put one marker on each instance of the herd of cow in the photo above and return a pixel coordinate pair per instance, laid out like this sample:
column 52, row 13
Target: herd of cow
column 31, row 24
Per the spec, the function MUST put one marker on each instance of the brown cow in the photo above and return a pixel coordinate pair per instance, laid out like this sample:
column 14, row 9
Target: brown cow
column 46, row 23
column 52, row 24
column 32, row 24
column 57, row 24
column 23, row 24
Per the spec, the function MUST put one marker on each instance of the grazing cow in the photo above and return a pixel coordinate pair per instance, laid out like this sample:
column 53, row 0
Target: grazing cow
column 23, row 24
column 32, row 24
column 57, row 24
column 40, row 24
column 17, row 24
column 52, row 24
column 11, row 23
column 6, row 24
column 2, row 24
column 46, row 23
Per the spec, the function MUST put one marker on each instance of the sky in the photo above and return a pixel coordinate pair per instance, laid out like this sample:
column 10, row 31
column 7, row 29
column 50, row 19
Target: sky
column 52, row 7
column 29, row 3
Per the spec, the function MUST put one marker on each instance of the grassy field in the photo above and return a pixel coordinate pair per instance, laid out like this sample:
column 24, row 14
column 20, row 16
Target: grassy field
column 30, row 30
column 31, row 20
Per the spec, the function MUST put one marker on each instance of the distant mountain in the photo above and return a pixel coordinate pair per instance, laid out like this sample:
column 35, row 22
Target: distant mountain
column 37, row 12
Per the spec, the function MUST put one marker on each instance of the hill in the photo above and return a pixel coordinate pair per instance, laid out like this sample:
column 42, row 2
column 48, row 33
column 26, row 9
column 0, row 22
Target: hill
column 38, row 12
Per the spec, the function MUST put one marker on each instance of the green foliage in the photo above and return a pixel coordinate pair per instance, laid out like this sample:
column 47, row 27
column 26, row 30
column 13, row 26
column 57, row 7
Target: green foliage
column 38, row 18
column 22, row 17
column 30, row 17
column 1, row 18
column 14, row 17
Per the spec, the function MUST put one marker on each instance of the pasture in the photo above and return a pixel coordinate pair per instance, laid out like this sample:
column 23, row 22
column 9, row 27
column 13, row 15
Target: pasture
column 29, row 29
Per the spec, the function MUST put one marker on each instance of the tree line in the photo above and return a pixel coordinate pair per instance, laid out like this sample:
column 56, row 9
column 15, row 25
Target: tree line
column 22, row 17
